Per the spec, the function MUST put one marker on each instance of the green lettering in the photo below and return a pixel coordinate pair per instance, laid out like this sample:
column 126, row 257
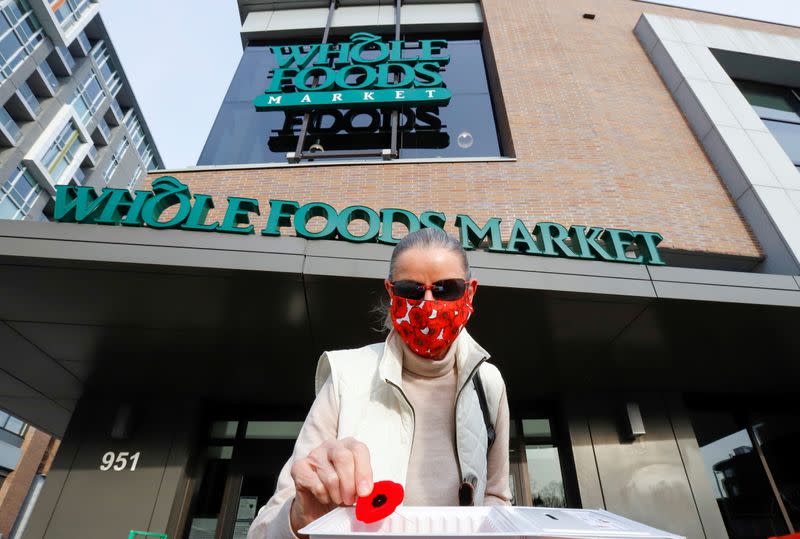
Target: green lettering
column 356, row 213
column 78, row 204
column 617, row 240
column 280, row 215
column 120, row 203
column 296, row 55
column 432, row 219
column 197, row 217
column 472, row 235
column 308, row 212
column 390, row 216
column 522, row 236
column 552, row 236
column 237, row 214
column 648, row 245
column 587, row 244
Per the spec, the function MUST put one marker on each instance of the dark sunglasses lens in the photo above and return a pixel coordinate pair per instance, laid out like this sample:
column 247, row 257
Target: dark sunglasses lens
column 449, row 289
column 408, row 289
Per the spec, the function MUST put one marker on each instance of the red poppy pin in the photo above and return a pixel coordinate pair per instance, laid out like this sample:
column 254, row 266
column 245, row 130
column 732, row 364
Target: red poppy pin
column 380, row 503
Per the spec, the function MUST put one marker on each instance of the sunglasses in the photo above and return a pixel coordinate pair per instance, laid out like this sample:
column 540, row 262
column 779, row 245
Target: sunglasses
column 446, row 289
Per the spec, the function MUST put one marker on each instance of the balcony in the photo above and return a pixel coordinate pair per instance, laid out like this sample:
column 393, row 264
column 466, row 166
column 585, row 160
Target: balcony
column 23, row 105
column 114, row 113
column 80, row 46
column 43, row 81
column 9, row 130
column 62, row 61
column 102, row 133
column 90, row 160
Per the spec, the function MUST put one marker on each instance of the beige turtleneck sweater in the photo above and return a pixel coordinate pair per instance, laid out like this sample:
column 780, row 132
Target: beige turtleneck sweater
column 432, row 478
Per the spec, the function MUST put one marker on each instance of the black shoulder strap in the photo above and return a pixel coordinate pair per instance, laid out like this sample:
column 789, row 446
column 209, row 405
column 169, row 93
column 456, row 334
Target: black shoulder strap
column 476, row 381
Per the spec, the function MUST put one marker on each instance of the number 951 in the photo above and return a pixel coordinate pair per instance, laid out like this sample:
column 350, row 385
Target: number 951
column 119, row 461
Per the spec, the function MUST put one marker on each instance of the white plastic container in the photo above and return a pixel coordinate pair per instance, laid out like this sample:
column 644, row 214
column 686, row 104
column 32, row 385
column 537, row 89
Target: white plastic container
column 496, row 522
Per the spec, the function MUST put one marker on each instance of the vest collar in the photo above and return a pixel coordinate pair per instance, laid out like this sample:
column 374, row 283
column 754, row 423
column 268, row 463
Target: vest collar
column 469, row 354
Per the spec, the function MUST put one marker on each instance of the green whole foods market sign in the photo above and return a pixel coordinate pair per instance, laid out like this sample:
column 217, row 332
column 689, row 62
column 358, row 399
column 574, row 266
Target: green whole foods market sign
column 365, row 71
column 170, row 205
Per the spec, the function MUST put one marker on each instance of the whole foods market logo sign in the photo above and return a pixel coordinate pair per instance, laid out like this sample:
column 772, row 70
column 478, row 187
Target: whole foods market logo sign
column 170, row 205
column 365, row 71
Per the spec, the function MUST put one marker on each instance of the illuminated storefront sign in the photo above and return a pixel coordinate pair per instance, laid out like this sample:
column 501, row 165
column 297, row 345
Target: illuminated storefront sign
column 170, row 205
column 365, row 71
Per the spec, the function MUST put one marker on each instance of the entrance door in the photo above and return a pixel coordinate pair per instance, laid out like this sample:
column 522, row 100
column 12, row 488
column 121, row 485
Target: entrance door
column 237, row 475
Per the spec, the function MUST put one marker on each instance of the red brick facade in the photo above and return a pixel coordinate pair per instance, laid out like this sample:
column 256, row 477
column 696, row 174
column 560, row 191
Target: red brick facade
column 15, row 488
column 597, row 139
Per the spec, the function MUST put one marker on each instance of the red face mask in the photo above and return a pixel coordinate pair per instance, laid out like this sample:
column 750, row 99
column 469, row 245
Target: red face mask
column 429, row 327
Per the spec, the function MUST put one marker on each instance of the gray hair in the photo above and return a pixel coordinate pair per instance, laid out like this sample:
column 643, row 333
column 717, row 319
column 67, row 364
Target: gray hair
column 429, row 238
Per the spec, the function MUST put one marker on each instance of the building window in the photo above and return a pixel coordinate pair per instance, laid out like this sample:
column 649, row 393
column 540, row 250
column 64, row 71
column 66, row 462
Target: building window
column 88, row 98
column 543, row 464
column 68, row 12
column 17, row 196
column 12, row 424
column 10, row 128
column 466, row 127
column 59, row 156
column 47, row 71
column 104, row 64
column 116, row 159
column 20, row 32
column 27, row 95
column 779, row 109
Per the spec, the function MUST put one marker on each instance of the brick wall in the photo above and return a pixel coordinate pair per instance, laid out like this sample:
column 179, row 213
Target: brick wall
column 597, row 137
column 16, row 486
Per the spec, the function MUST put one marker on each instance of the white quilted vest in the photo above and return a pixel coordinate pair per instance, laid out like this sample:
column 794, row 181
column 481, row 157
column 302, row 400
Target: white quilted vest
column 374, row 410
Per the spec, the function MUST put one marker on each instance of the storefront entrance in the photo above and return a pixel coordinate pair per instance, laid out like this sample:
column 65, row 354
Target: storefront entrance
column 237, row 468
column 238, row 461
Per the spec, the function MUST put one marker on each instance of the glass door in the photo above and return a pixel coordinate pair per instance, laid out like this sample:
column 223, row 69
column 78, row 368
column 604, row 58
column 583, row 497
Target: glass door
column 542, row 473
column 239, row 469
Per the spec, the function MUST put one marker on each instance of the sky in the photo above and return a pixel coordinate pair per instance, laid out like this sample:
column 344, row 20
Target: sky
column 180, row 55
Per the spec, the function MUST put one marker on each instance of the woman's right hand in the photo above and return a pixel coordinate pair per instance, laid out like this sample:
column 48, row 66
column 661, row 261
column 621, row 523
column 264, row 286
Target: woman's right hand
column 333, row 474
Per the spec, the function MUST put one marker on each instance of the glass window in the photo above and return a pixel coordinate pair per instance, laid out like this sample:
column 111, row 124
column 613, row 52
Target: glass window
column 20, row 32
column 273, row 430
column 544, row 474
column 779, row 109
column 464, row 128
column 88, row 98
column 59, row 156
column 116, row 158
column 788, row 136
column 778, row 436
column 17, row 426
column 18, row 194
column 738, row 479
column 223, row 429
column 70, row 11
column 10, row 125
column 27, row 95
column 47, row 71
column 770, row 101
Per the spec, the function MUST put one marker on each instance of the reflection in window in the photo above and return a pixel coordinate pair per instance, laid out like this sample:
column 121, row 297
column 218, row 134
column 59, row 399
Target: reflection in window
column 544, row 473
column 543, row 463
column 778, row 435
column 463, row 128
column 738, row 478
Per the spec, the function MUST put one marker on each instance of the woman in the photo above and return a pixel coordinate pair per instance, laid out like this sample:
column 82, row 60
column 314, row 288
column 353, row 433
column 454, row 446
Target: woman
column 422, row 409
